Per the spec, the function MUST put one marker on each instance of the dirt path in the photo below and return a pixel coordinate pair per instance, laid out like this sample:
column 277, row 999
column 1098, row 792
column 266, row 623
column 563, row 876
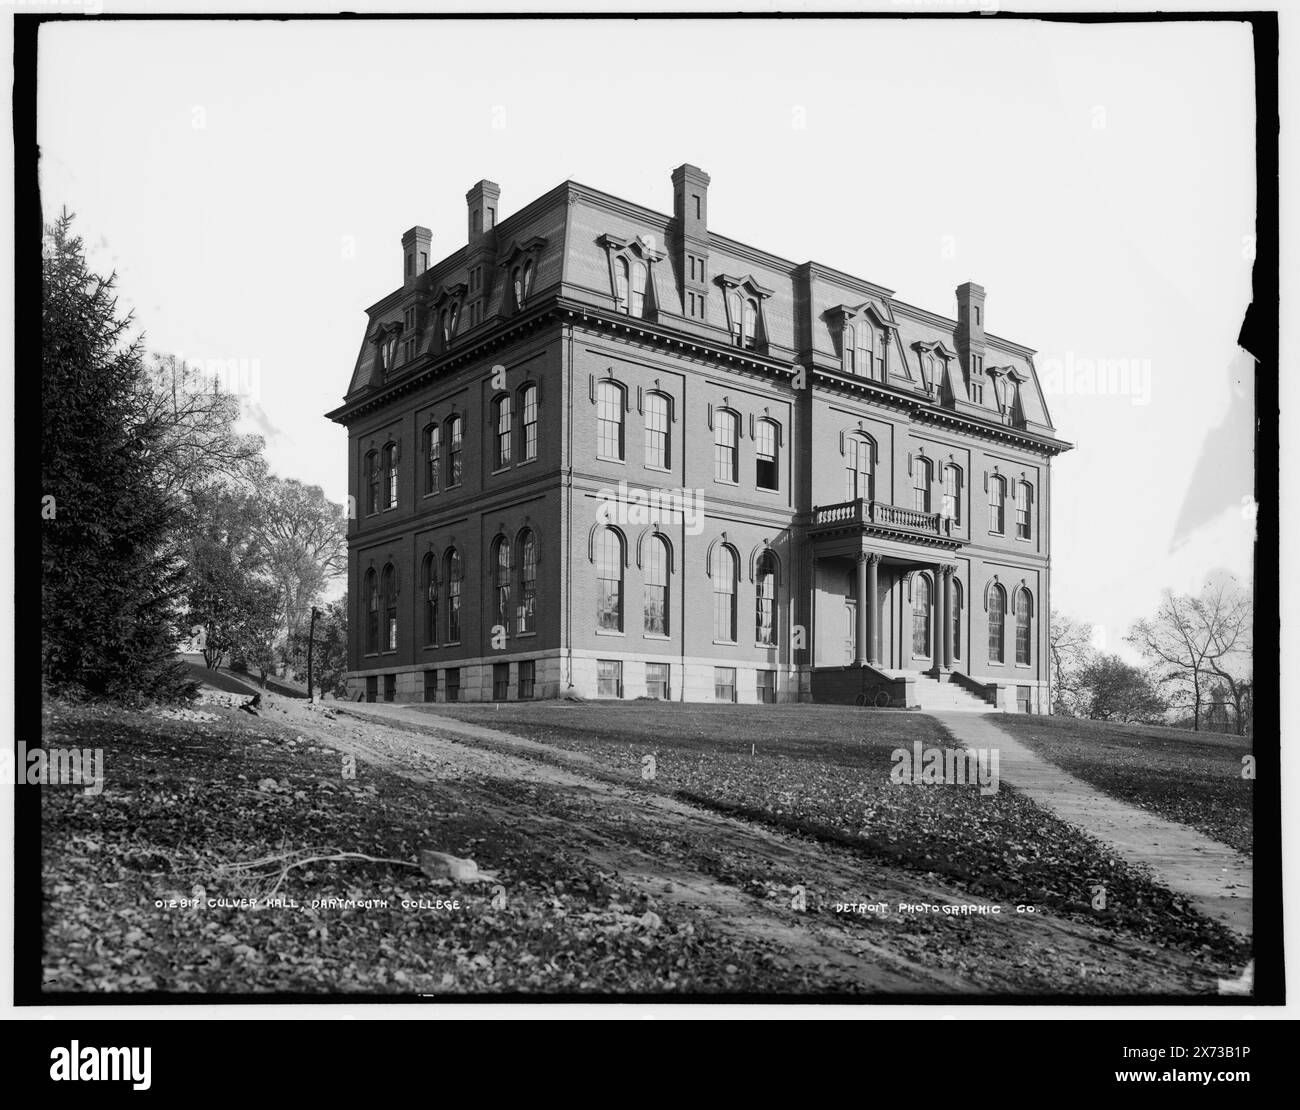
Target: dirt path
column 1216, row 879
column 657, row 843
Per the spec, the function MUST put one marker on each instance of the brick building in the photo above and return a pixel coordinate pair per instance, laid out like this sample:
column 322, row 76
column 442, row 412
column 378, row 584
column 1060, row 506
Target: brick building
column 602, row 450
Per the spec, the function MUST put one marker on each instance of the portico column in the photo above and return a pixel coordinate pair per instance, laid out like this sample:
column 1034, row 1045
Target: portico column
column 873, row 608
column 860, row 633
column 947, row 616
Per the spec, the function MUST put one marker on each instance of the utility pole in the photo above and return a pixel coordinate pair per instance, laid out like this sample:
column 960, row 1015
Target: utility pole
column 311, row 644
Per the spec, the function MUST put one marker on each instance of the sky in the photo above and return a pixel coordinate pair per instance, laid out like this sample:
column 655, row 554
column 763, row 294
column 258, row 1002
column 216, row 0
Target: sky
column 250, row 182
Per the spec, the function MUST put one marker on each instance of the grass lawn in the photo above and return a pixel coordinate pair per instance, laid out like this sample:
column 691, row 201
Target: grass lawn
column 824, row 771
column 1190, row 777
column 184, row 800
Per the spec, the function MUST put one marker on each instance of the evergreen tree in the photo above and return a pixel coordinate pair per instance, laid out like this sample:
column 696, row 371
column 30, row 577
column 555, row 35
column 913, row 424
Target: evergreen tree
column 110, row 574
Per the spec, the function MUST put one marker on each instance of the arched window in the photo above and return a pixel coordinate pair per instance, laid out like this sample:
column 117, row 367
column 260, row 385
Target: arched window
column 390, row 608
column 453, row 595
column 749, row 322
column 997, row 504
column 726, row 571
column 609, row 579
column 503, row 419
column 657, row 440
column 920, row 615
column 766, row 446
column 957, row 602
column 952, row 494
column 432, row 457
column 1024, row 510
column 609, row 420
column 528, row 405
column 455, row 444
column 656, row 586
column 527, row 612
column 921, row 484
column 765, row 600
column 997, row 617
column 448, row 319
column 859, row 469
column 522, row 280
column 638, row 289
column 725, row 447
column 372, row 482
column 622, row 283
column 501, row 582
column 737, row 314
column 429, row 586
column 1024, row 611
column 372, row 611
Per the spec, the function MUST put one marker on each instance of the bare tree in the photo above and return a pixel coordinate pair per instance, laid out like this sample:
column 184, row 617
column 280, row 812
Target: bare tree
column 1069, row 645
column 198, row 442
column 1195, row 640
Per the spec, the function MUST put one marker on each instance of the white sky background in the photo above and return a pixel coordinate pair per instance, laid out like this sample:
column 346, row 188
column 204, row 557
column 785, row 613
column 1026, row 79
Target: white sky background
column 1098, row 181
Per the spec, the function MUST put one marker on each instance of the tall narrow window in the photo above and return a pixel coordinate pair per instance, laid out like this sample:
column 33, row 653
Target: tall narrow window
column 522, row 279
column 921, row 615
column 528, row 403
column 749, row 322
column 997, row 617
column 390, row 608
column 952, row 494
column 432, row 457
column 859, row 469
column 448, row 320
column 504, row 419
column 726, row 566
column 997, row 504
column 622, row 283
column 1024, row 610
column 501, row 582
column 737, row 314
column 638, row 289
column 656, row 586
column 527, row 613
column 372, row 612
column 765, row 600
column 609, row 579
column 455, row 457
column 453, row 596
column 372, row 482
column 725, row 448
column 879, row 345
column 766, row 471
column 957, row 603
column 609, row 420
column 429, row 584
column 921, row 484
column 390, row 475
column 656, row 431
column 866, row 356
column 1024, row 509
column 850, row 349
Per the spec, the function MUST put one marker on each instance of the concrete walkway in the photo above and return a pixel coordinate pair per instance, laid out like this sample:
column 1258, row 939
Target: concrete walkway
column 1216, row 879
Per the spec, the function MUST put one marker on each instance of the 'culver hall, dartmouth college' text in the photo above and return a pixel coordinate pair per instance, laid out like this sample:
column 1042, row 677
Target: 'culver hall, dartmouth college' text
column 602, row 451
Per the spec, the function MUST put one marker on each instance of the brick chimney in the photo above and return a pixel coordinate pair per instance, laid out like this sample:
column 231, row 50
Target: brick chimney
column 970, row 336
column 691, row 241
column 415, row 254
column 483, row 205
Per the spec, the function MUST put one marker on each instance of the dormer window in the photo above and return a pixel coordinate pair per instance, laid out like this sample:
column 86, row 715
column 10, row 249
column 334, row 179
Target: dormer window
column 744, row 302
column 520, row 264
column 630, row 261
column 446, row 308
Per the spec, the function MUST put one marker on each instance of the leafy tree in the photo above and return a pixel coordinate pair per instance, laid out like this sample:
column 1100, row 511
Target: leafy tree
column 110, row 575
column 1111, row 690
column 330, row 657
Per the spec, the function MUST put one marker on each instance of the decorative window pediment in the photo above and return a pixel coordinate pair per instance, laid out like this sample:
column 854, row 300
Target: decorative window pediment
column 934, row 359
column 865, row 332
column 446, row 305
column 386, row 337
column 1007, row 381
